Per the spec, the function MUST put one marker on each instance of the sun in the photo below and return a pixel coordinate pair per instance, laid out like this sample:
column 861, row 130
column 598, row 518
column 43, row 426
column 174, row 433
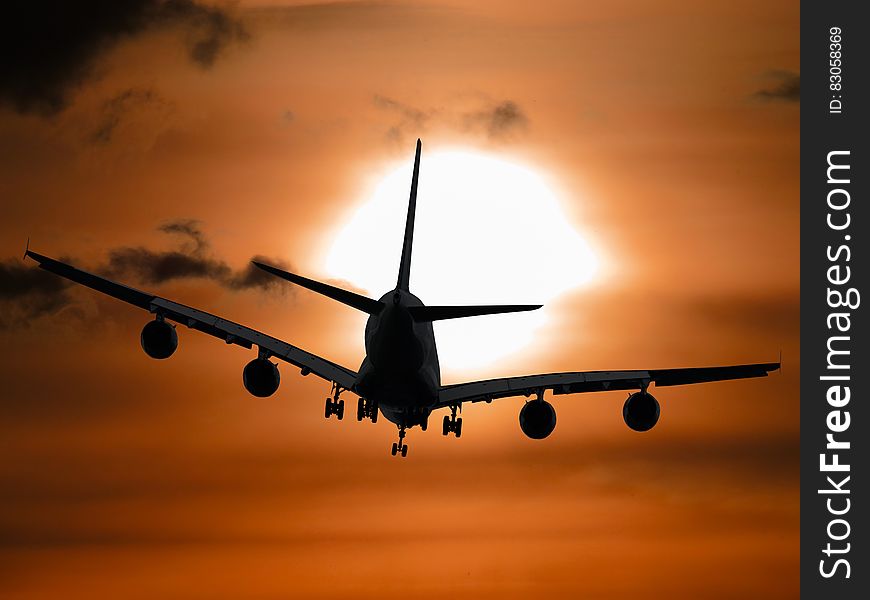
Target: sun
column 488, row 231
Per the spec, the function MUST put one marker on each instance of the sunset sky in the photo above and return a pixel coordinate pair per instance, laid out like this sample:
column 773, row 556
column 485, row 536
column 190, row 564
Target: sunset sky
column 665, row 138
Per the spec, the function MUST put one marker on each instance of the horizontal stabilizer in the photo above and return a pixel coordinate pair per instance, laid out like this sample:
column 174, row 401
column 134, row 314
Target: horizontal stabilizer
column 357, row 301
column 439, row 313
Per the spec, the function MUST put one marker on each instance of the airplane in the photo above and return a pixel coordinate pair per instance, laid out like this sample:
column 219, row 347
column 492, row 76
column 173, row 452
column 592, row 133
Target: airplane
column 400, row 376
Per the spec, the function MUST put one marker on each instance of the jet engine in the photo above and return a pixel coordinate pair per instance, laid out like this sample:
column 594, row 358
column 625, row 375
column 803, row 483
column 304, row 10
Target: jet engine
column 641, row 411
column 159, row 339
column 261, row 377
column 538, row 419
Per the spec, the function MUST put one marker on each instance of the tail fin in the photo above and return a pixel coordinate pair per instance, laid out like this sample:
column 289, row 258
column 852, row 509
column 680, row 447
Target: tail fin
column 357, row 301
column 405, row 263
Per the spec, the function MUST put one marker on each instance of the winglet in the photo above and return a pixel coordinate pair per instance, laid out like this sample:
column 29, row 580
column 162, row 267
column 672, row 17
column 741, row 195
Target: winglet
column 26, row 248
column 780, row 361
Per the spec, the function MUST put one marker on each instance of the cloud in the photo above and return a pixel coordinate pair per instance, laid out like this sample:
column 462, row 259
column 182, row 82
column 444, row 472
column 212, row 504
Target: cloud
column 27, row 293
column 188, row 228
column 49, row 48
column 787, row 87
column 156, row 267
column 497, row 120
column 122, row 107
column 193, row 261
column 212, row 29
column 411, row 119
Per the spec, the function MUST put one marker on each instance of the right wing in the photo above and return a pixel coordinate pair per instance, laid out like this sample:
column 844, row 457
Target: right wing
column 230, row 332
column 593, row 381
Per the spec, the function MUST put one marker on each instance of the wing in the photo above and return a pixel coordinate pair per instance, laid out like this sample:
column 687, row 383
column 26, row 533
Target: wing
column 230, row 332
column 593, row 381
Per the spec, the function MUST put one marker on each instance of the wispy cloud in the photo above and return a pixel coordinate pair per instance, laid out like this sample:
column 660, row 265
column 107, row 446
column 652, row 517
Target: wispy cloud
column 28, row 293
column 785, row 86
column 496, row 120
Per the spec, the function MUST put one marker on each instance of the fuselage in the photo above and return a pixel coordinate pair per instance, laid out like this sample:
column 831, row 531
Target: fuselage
column 400, row 372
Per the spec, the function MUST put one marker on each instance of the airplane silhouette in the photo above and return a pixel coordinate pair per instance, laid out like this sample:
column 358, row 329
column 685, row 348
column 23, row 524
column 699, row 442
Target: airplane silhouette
column 400, row 376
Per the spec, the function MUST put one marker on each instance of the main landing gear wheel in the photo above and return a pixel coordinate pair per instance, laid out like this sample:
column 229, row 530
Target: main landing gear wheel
column 366, row 409
column 451, row 423
column 334, row 407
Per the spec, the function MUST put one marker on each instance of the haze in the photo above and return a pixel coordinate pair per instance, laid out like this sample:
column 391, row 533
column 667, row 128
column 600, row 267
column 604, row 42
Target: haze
column 668, row 132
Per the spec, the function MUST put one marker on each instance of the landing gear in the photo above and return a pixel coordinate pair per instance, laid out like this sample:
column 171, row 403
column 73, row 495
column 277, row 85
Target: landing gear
column 367, row 409
column 451, row 423
column 334, row 406
column 400, row 447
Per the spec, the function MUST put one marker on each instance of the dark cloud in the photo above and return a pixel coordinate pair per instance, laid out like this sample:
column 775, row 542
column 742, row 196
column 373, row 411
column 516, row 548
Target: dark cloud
column 188, row 228
column 411, row 120
column 27, row 293
column 156, row 267
column 48, row 48
column 495, row 120
column 253, row 277
column 121, row 107
column 193, row 261
column 499, row 120
column 211, row 29
column 787, row 87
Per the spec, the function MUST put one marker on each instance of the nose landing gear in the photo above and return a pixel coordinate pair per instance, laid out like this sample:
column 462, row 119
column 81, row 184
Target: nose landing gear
column 400, row 447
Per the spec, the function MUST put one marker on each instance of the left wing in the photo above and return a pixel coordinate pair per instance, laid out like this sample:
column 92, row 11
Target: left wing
column 230, row 332
column 593, row 381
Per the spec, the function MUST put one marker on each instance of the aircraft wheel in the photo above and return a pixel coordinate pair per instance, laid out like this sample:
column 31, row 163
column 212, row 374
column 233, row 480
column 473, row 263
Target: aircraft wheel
column 374, row 414
column 339, row 410
column 395, row 448
column 360, row 409
column 445, row 427
column 404, row 450
column 328, row 410
column 458, row 428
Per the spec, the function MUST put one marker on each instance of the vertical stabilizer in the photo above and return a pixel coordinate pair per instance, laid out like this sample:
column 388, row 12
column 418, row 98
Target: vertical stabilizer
column 405, row 263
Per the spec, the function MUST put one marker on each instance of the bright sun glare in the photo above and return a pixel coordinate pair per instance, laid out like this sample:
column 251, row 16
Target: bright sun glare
column 487, row 232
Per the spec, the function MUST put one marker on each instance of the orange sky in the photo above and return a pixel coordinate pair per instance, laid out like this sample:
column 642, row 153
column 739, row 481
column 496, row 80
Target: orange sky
column 127, row 477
